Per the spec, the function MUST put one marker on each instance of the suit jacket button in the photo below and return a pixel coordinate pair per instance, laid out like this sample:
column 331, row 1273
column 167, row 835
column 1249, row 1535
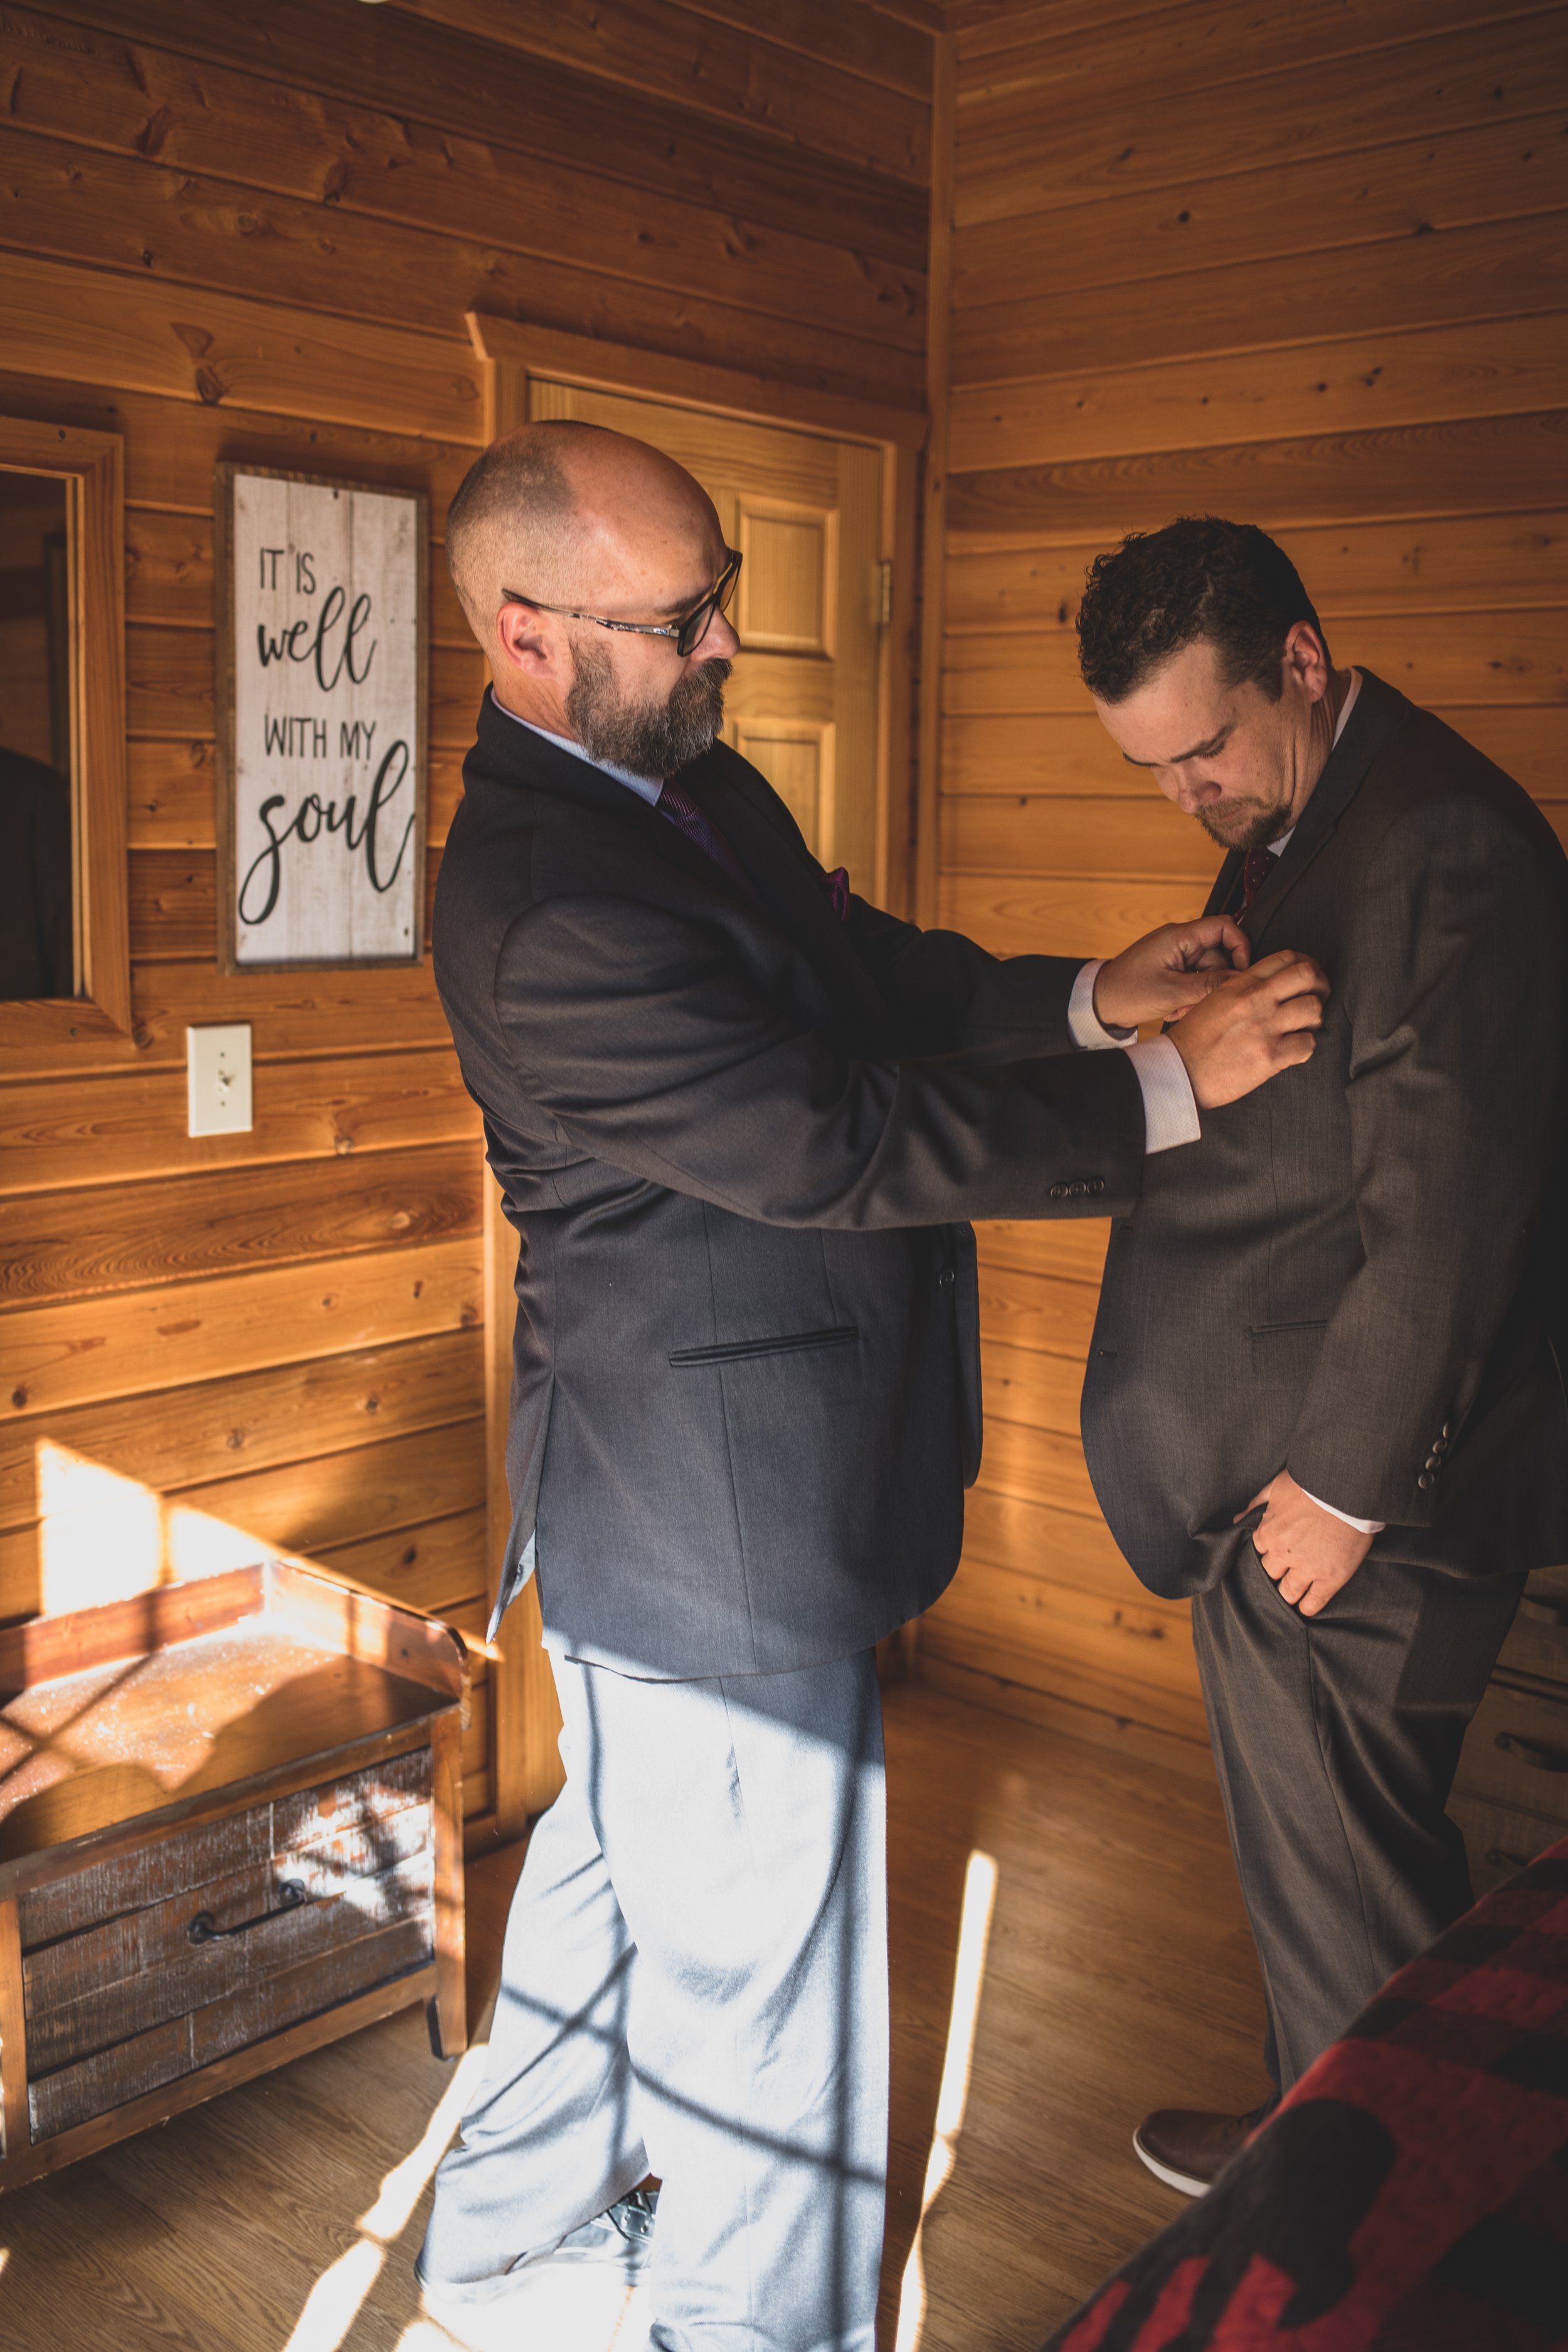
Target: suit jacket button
column 1426, row 1481
column 945, row 1278
column 1096, row 1185
column 1059, row 1191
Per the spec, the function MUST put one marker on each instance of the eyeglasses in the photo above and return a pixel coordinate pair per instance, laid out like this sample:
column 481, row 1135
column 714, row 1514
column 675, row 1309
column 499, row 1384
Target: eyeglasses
column 688, row 631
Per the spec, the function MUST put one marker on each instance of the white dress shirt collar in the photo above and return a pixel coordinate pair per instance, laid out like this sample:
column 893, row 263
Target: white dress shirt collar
column 1346, row 706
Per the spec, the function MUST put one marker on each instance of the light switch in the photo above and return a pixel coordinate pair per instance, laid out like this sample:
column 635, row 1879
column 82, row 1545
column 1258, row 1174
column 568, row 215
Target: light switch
column 217, row 1079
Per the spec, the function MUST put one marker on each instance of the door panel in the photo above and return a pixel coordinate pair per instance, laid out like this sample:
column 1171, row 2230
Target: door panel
column 805, row 512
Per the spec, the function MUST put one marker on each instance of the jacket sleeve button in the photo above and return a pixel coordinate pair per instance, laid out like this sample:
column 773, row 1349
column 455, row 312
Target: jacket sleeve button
column 1426, row 1481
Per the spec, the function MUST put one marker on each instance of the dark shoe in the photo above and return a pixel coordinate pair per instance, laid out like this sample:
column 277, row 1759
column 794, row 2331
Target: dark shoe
column 1188, row 2148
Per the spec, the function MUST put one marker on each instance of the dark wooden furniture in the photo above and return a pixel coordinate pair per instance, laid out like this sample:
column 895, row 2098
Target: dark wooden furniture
column 230, row 1830
column 1510, row 1794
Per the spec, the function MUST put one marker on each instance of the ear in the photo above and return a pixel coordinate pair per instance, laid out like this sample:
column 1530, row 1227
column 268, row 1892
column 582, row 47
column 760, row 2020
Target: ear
column 1307, row 660
column 531, row 643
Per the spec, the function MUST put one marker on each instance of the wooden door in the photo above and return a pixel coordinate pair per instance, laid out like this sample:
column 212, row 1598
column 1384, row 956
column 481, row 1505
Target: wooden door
column 806, row 511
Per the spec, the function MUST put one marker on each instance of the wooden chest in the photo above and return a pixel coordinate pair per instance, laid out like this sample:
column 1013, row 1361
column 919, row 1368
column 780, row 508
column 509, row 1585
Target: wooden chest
column 230, row 1830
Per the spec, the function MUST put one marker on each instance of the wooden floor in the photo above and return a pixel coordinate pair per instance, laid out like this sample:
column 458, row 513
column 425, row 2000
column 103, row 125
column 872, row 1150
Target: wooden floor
column 1117, row 1975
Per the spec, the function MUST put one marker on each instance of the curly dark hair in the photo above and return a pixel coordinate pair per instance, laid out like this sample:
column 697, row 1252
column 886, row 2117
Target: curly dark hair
column 1198, row 577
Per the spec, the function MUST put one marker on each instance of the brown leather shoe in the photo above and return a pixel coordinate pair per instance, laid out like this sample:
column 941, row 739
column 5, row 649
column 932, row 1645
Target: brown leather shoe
column 1188, row 2148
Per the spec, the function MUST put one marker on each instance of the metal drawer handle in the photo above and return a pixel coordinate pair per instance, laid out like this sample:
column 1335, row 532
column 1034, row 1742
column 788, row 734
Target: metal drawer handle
column 1539, row 1759
column 1545, row 1612
column 204, row 1928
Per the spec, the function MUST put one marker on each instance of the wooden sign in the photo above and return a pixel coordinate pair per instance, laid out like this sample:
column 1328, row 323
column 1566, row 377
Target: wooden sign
column 322, row 649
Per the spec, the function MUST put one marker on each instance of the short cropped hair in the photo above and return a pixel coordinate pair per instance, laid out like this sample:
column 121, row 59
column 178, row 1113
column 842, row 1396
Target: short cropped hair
column 1199, row 578
column 520, row 478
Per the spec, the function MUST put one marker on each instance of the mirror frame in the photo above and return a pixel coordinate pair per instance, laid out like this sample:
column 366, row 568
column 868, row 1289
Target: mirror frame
column 92, row 467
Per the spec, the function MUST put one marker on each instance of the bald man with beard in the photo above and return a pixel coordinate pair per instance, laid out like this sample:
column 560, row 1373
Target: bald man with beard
column 741, row 1119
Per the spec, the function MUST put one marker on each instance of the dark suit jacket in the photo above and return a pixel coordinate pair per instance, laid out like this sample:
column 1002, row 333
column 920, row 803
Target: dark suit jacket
column 740, row 1138
column 1348, row 1276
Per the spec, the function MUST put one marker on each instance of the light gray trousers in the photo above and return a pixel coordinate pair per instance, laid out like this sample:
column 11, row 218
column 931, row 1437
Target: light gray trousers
column 695, row 1984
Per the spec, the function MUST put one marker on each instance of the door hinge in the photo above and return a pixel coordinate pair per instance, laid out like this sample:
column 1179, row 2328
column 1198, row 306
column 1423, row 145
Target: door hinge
column 883, row 591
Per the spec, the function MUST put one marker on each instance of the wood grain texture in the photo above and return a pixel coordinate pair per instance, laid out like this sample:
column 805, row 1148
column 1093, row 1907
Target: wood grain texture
column 65, row 1245
column 672, row 53
column 172, row 448
column 169, row 686
column 1470, row 464
column 57, row 1356
column 1493, row 171
column 1048, row 834
column 1077, row 917
column 251, row 1421
column 1129, row 1661
column 175, row 907
column 207, row 347
column 1495, row 271
column 1435, row 83
column 1349, row 385
column 551, row 116
column 440, row 1565
column 1461, row 563
column 169, row 576
column 82, row 205
column 127, row 1126
column 172, row 785
column 1438, row 658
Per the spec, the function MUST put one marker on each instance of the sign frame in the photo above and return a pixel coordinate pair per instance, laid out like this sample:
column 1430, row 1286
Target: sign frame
column 225, row 608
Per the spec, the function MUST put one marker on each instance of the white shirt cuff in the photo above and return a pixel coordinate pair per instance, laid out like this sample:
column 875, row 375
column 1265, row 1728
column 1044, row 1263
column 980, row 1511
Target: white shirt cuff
column 1085, row 1028
column 1362, row 1526
column 1170, row 1107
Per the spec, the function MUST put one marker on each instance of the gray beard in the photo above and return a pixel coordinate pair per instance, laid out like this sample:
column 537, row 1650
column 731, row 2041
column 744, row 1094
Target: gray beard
column 648, row 740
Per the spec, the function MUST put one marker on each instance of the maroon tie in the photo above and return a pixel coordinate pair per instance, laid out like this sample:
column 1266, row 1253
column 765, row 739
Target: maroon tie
column 1254, row 873
column 698, row 826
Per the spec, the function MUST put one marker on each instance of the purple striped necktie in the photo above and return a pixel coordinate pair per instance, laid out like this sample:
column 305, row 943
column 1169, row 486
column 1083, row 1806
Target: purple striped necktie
column 698, row 826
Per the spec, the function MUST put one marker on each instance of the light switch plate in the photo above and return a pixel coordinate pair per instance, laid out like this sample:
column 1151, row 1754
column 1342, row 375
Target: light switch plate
column 217, row 1079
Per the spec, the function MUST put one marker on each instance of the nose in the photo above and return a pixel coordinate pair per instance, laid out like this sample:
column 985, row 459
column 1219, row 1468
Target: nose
column 1194, row 791
column 720, row 642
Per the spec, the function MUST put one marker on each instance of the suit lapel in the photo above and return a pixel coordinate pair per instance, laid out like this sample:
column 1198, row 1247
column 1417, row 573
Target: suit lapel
column 1379, row 710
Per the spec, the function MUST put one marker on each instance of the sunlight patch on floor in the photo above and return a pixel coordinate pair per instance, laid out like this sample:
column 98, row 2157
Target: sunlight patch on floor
column 968, row 1978
column 334, row 2303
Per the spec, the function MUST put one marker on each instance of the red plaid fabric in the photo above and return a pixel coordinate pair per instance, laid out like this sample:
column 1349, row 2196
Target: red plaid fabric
column 1410, row 2193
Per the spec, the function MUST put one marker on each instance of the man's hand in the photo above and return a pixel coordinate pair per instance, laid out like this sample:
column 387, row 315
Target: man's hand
column 1158, row 977
column 1310, row 1554
column 1250, row 1026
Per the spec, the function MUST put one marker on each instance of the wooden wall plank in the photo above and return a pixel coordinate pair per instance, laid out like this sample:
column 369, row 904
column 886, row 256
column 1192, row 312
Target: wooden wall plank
column 205, row 347
column 1433, row 565
column 1467, row 466
column 309, row 1505
column 173, row 903
column 1494, row 171
column 253, row 1421
column 1032, row 1538
column 438, row 1566
column 171, row 447
column 428, row 75
column 1424, row 87
column 1022, row 1309
column 1349, row 385
column 1073, row 1247
column 891, row 49
column 750, row 304
column 1496, row 270
column 1025, row 915
column 1050, row 1638
column 169, row 576
column 56, row 1356
column 1435, row 658
column 129, row 1126
column 169, row 686
column 1048, row 834
column 1185, row 52
column 176, row 1229
column 172, row 786
column 668, row 52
